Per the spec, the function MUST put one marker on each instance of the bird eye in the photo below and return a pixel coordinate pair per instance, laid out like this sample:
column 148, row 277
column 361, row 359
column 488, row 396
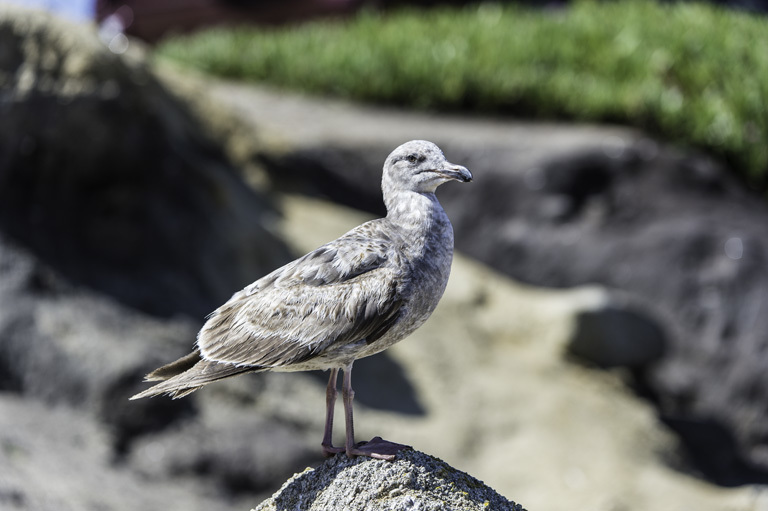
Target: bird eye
column 412, row 158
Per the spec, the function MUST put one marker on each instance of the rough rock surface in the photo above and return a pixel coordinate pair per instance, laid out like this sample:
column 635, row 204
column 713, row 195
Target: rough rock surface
column 414, row 480
column 681, row 242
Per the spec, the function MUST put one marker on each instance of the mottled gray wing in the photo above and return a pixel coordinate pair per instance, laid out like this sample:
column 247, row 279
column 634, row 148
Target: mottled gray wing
column 342, row 292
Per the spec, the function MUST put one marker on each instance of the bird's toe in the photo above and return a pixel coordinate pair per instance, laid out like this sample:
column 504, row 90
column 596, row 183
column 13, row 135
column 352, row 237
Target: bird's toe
column 377, row 448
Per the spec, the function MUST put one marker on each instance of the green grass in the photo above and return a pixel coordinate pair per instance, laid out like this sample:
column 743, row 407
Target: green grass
column 688, row 73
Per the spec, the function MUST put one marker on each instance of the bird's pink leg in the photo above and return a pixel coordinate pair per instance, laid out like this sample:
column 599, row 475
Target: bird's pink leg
column 330, row 401
column 376, row 448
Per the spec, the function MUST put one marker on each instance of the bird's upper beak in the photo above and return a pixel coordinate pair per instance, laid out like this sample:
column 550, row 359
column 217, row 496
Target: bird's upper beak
column 456, row 172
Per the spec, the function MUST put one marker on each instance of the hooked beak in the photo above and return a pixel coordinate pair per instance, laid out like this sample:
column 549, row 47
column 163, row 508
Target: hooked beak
column 456, row 172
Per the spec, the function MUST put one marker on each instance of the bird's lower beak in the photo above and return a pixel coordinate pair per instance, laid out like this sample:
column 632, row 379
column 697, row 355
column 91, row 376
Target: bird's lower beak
column 456, row 172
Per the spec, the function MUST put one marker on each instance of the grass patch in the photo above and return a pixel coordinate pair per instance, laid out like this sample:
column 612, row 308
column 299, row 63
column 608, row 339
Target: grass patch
column 689, row 73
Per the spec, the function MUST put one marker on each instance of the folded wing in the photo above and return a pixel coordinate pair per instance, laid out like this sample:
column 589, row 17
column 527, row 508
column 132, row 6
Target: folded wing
column 341, row 293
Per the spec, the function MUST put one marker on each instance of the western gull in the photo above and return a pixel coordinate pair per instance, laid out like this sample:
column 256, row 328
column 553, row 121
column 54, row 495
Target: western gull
column 349, row 299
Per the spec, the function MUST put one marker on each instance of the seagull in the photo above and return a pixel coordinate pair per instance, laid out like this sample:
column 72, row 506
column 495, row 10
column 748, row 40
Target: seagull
column 350, row 298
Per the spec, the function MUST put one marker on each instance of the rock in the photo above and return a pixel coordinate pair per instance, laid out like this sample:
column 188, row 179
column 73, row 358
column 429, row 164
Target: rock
column 614, row 333
column 229, row 448
column 121, row 225
column 563, row 206
column 57, row 459
column 146, row 215
column 670, row 230
column 81, row 353
column 112, row 181
column 413, row 481
column 69, row 346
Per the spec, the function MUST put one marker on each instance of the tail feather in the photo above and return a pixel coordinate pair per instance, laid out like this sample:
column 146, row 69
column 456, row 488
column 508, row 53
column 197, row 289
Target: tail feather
column 175, row 368
column 188, row 374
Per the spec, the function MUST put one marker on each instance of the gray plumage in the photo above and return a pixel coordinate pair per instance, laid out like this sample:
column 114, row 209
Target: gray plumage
column 350, row 298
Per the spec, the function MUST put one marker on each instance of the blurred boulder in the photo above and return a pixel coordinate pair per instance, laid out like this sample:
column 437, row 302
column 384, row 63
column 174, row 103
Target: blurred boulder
column 615, row 333
column 675, row 231
column 121, row 225
column 232, row 447
column 64, row 345
column 59, row 459
column 107, row 176
column 561, row 206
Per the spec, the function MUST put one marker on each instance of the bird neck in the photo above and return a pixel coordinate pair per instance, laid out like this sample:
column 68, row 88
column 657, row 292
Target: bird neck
column 414, row 210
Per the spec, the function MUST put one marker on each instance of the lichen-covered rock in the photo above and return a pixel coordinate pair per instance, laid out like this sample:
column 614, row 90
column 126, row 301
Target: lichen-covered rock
column 413, row 481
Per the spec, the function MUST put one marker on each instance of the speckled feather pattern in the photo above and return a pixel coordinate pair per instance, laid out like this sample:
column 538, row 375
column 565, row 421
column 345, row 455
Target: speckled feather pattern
column 350, row 298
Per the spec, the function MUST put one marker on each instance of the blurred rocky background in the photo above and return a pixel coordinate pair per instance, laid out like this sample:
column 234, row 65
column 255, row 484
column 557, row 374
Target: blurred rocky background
column 602, row 343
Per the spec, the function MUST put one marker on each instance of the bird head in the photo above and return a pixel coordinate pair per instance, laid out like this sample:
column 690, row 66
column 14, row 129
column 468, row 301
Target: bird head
column 420, row 166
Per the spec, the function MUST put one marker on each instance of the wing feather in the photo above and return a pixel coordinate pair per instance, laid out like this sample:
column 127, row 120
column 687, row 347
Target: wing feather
column 341, row 293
